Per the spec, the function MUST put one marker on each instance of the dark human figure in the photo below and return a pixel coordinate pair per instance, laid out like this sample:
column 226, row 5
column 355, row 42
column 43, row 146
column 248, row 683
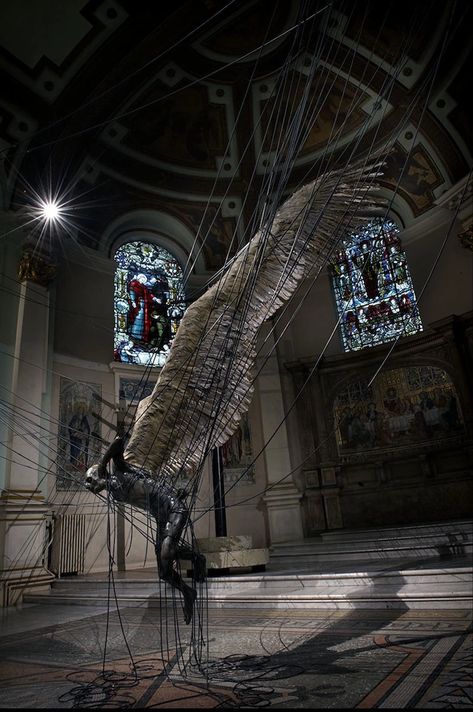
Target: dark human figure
column 160, row 330
column 448, row 407
column 374, row 317
column 405, row 304
column 369, row 268
column 343, row 277
column 376, row 426
column 392, row 403
column 385, row 312
column 358, row 433
column 126, row 352
column 135, row 486
column 344, row 426
column 141, row 304
column 79, row 433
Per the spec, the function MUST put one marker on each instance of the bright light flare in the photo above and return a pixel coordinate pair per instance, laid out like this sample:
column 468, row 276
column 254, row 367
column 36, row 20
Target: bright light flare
column 50, row 210
column 51, row 213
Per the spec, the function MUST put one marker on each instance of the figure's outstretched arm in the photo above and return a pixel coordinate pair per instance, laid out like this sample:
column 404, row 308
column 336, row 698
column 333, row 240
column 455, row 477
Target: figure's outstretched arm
column 97, row 475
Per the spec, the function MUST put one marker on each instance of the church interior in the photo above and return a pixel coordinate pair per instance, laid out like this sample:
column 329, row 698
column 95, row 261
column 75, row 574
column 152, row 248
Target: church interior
column 148, row 151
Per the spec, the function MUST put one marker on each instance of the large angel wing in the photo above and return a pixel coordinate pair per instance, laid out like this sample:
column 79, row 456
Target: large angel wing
column 207, row 382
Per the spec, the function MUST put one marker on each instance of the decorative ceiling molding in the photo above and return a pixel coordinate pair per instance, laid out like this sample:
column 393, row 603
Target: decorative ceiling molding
column 244, row 31
column 194, row 128
column 154, row 226
column 123, row 141
column 62, row 37
column 330, row 116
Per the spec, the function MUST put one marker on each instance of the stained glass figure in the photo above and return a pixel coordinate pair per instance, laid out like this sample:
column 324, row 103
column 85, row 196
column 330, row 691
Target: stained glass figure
column 149, row 303
column 373, row 288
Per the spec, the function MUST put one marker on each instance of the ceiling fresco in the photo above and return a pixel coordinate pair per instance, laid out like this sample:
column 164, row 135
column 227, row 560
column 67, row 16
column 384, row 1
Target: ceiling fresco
column 184, row 104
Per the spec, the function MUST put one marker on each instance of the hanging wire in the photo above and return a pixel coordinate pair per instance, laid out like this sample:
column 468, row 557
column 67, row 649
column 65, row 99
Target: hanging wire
column 291, row 148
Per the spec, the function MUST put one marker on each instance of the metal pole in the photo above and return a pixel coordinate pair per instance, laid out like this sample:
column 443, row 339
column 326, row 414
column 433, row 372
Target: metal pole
column 219, row 493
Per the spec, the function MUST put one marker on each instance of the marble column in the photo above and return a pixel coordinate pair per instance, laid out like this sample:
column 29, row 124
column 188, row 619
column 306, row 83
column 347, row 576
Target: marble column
column 23, row 511
column 282, row 498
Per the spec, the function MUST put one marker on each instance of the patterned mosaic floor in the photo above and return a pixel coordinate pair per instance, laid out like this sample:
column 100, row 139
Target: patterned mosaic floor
column 53, row 656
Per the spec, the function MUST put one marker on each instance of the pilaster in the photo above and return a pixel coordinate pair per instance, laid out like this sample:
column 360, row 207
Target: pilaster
column 23, row 512
column 282, row 497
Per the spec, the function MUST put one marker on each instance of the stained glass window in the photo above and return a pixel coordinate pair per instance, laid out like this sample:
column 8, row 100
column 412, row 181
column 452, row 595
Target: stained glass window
column 373, row 288
column 149, row 303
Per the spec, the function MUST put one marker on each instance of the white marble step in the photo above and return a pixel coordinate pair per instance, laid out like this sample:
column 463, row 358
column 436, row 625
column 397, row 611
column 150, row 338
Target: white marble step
column 415, row 530
column 435, row 588
column 402, row 598
column 405, row 543
column 442, row 533
column 318, row 557
column 149, row 579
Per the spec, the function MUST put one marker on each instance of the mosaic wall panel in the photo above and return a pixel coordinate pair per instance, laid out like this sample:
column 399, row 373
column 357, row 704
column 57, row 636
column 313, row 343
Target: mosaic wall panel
column 79, row 438
column 402, row 406
column 237, row 456
column 133, row 390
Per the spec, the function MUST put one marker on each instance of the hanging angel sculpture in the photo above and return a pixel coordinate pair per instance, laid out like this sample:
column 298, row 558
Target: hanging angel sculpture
column 206, row 384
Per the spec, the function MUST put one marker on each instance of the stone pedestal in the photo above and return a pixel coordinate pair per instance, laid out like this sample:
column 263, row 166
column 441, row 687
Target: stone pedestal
column 284, row 512
column 282, row 498
column 225, row 553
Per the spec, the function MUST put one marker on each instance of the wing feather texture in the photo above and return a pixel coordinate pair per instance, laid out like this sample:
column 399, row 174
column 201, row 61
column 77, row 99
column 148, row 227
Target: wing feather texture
column 206, row 384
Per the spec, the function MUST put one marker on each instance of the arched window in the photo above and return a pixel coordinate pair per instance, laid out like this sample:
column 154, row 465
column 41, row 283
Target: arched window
column 373, row 288
column 148, row 304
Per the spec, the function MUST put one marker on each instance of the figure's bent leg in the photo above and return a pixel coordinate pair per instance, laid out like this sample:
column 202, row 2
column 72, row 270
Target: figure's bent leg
column 167, row 552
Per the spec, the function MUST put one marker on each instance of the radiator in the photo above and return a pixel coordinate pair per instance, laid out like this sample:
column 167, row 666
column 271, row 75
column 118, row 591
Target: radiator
column 68, row 544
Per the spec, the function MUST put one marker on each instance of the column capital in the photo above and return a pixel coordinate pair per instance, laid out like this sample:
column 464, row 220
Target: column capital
column 36, row 266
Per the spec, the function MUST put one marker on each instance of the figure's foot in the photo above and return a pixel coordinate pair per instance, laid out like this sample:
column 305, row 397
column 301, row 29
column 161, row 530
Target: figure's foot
column 190, row 596
column 200, row 568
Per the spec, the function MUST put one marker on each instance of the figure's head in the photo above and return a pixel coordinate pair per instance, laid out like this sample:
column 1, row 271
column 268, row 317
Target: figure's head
column 94, row 480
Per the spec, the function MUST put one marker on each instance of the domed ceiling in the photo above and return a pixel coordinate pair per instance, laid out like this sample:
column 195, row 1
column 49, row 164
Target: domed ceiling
column 185, row 108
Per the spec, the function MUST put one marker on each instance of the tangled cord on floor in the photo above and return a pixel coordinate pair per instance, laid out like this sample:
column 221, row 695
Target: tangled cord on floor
column 253, row 671
column 109, row 688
